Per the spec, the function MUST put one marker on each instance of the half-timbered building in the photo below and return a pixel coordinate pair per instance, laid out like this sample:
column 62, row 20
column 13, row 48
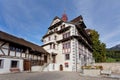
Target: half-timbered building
column 68, row 44
column 17, row 55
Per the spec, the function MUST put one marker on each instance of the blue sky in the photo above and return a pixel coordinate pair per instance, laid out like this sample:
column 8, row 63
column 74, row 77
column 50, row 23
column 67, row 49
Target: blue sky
column 30, row 19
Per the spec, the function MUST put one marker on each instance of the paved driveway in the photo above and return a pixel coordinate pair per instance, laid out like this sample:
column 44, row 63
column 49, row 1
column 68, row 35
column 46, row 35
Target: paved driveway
column 49, row 76
column 41, row 76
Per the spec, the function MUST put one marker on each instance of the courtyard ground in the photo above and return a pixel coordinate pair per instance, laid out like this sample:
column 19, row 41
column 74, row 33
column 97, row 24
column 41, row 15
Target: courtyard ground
column 49, row 76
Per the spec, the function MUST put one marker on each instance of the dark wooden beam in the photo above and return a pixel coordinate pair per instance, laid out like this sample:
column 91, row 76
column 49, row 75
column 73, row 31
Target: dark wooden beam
column 2, row 51
column 15, row 52
column 9, row 52
column 3, row 44
column 1, row 48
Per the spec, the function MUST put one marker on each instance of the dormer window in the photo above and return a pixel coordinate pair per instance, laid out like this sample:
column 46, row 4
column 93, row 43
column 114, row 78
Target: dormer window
column 55, row 29
column 63, row 26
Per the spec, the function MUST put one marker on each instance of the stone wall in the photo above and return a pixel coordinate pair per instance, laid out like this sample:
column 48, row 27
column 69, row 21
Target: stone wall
column 114, row 67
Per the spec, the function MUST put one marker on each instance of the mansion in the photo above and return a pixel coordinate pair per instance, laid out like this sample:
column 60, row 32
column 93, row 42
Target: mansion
column 66, row 47
column 68, row 44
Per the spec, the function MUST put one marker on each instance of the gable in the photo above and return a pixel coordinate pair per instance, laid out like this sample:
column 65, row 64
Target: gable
column 55, row 21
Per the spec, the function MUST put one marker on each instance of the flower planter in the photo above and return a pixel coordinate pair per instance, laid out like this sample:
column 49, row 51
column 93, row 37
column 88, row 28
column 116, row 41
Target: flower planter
column 91, row 72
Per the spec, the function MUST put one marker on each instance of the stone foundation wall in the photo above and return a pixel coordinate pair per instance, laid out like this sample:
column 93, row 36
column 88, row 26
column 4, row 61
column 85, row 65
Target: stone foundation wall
column 114, row 67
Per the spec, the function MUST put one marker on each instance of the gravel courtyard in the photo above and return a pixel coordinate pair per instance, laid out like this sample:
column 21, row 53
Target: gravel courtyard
column 49, row 76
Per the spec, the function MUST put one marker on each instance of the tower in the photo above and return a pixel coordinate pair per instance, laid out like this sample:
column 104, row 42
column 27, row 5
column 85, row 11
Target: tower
column 64, row 17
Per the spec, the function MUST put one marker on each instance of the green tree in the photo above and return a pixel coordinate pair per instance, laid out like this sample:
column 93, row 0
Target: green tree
column 99, row 48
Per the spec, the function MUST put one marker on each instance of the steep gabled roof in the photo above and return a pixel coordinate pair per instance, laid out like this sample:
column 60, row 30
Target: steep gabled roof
column 54, row 24
column 10, row 38
column 78, row 20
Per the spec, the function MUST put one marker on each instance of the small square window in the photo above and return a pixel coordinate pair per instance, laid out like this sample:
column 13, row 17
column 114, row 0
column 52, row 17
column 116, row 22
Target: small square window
column 67, row 56
column 14, row 64
column 66, row 65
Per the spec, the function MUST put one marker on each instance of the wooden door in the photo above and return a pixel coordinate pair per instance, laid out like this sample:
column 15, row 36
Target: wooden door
column 45, row 59
column 61, row 67
column 54, row 59
column 27, row 65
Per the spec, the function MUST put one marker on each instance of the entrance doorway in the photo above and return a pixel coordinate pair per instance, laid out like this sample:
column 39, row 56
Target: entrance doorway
column 45, row 59
column 61, row 67
column 27, row 65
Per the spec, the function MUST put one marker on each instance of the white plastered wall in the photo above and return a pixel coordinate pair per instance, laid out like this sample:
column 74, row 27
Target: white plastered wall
column 7, row 65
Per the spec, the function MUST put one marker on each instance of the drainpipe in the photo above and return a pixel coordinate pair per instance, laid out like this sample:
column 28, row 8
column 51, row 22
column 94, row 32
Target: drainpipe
column 76, row 55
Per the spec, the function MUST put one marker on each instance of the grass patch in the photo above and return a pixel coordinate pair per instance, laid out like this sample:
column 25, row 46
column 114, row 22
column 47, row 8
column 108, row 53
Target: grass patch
column 110, row 60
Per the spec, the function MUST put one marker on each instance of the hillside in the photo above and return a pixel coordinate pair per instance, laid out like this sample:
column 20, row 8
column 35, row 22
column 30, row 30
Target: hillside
column 117, row 47
column 113, row 54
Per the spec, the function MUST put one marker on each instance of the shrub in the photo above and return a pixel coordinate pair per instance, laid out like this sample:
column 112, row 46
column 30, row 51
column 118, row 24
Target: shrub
column 92, row 67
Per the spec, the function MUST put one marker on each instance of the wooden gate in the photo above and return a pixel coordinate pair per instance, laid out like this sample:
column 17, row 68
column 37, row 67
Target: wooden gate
column 27, row 65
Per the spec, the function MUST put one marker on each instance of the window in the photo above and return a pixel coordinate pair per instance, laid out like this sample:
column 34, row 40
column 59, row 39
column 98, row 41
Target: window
column 54, row 58
column 17, row 48
column 48, row 38
column 66, row 35
column 1, row 63
column 67, row 56
column 66, row 65
column 53, row 46
column 66, row 47
column 14, row 64
column 55, row 37
column 55, row 29
column 63, row 26
column 50, row 46
column 12, row 48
